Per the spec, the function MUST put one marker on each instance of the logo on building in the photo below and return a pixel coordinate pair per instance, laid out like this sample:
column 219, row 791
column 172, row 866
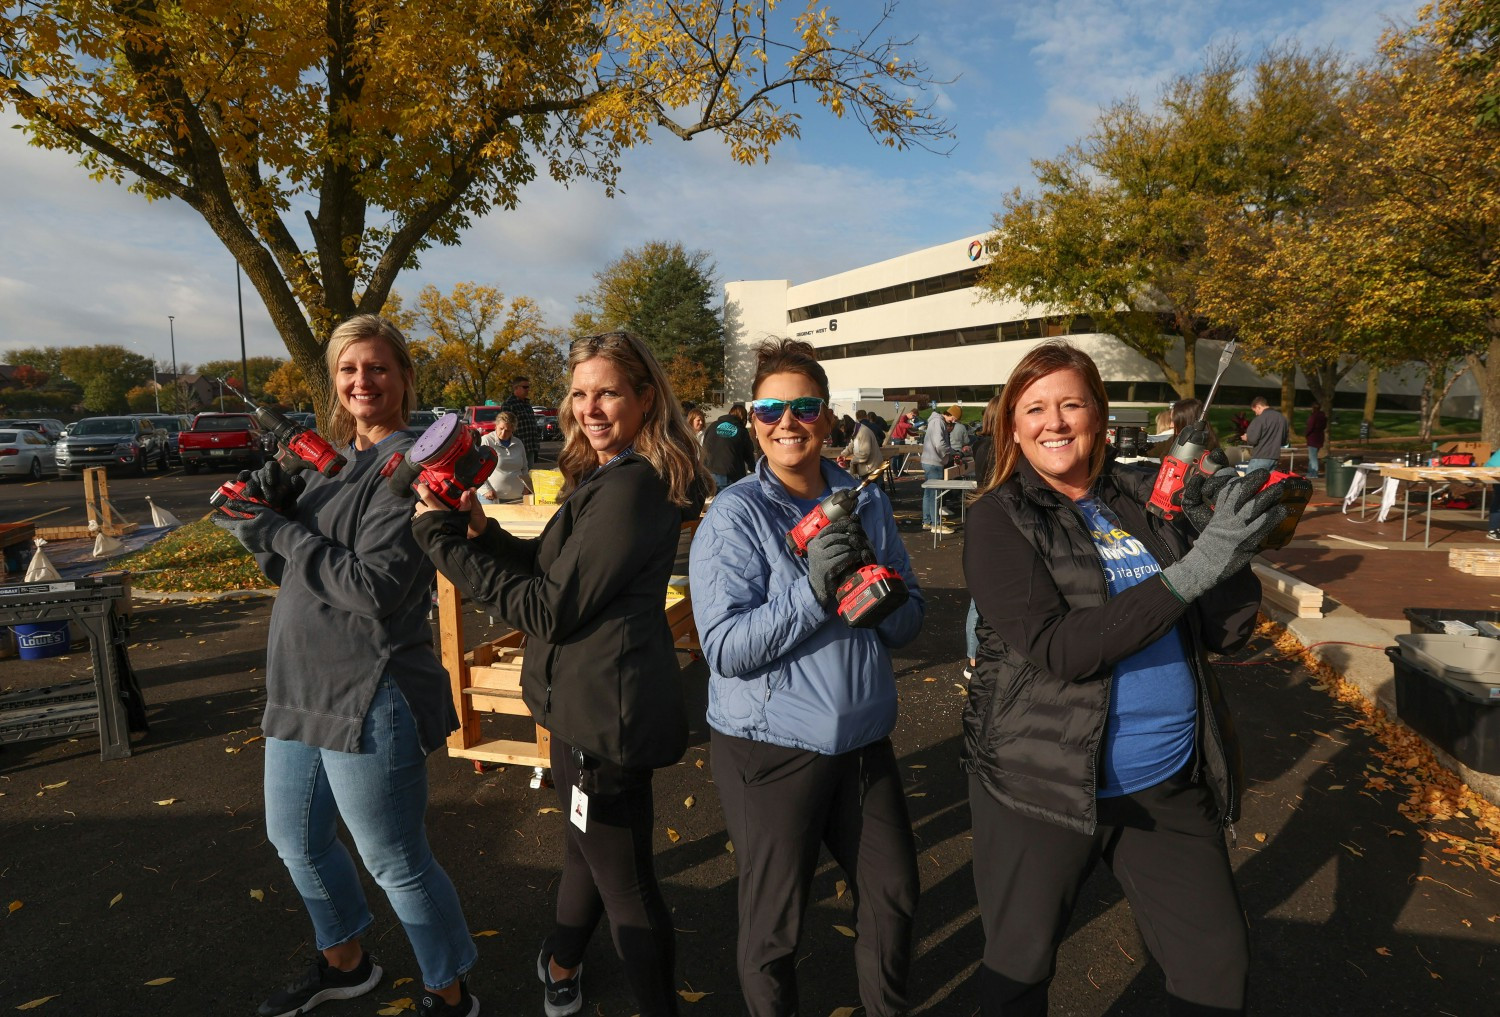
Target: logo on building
column 978, row 247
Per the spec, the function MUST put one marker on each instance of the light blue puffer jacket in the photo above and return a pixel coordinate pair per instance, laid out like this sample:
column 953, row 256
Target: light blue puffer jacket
column 783, row 670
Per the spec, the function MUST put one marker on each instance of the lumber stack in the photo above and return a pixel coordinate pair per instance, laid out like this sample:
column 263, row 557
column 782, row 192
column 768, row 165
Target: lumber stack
column 1478, row 561
column 1288, row 593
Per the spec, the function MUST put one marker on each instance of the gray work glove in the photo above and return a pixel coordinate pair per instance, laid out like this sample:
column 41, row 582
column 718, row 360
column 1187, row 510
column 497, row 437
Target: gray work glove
column 832, row 556
column 279, row 489
column 1200, row 492
column 1245, row 516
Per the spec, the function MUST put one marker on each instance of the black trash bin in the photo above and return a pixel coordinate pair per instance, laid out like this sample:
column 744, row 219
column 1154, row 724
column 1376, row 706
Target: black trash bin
column 1339, row 475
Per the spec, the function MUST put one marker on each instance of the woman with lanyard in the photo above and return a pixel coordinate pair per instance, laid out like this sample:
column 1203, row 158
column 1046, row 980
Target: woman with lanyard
column 802, row 705
column 599, row 672
column 1095, row 729
column 509, row 481
column 355, row 697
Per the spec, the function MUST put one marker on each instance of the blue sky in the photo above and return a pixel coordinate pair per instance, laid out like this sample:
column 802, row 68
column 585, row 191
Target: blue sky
column 86, row 262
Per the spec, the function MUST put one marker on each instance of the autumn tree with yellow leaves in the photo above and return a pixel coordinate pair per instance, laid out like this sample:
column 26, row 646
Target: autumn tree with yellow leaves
column 328, row 144
column 475, row 340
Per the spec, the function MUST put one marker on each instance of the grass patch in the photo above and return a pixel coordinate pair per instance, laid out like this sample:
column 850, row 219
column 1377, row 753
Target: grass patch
column 196, row 557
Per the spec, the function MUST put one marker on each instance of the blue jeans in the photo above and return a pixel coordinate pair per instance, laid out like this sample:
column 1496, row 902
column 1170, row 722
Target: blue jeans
column 971, row 633
column 1261, row 464
column 381, row 794
column 929, row 496
column 1312, row 462
column 721, row 481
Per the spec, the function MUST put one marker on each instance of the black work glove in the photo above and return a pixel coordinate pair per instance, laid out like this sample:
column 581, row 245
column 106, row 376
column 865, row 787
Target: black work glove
column 1201, row 492
column 832, row 556
column 1245, row 516
column 249, row 517
column 279, row 488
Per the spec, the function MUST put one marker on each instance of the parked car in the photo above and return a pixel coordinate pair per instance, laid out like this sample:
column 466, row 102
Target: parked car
column 224, row 439
column 547, row 425
column 419, row 421
column 45, row 426
column 26, row 453
column 481, row 418
column 112, row 442
column 174, row 424
column 307, row 420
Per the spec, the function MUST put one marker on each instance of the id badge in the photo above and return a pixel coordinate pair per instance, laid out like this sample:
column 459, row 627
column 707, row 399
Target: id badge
column 578, row 811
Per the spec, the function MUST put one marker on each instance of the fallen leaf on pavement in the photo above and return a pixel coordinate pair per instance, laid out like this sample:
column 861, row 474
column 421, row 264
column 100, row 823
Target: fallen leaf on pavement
column 1384, row 951
column 543, row 812
column 691, row 997
column 399, row 982
column 167, row 801
column 488, row 932
column 846, row 931
column 673, row 835
column 689, row 801
column 839, row 888
column 160, row 981
column 37, row 1002
column 54, row 787
column 1260, row 838
column 116, row 899
column 843, row 1011
column 16, row 905
column 259, row 895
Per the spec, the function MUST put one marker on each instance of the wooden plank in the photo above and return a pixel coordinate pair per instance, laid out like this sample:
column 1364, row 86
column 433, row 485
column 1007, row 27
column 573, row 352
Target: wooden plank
column 1288, row 592
column 451, row 650
column 503, row 750
column 81, row 532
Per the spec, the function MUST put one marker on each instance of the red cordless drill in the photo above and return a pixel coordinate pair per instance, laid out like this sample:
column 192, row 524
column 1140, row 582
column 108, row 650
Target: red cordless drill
column 297, row 448
column 1188, row 452
column 869, row 594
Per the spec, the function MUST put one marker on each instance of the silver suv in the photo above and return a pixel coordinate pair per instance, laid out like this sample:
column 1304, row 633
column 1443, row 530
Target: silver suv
column 123, row 441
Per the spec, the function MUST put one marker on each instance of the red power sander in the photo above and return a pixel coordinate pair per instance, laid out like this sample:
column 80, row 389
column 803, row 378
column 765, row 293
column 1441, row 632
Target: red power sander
column 447, row 458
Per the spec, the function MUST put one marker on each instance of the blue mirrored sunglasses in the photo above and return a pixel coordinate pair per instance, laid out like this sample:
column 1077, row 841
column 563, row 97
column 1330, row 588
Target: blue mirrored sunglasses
column 769, row 411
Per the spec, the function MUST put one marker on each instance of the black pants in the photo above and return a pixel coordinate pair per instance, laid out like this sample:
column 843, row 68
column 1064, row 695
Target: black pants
column 1164, row 846
column 608, row 869
column 780, row 806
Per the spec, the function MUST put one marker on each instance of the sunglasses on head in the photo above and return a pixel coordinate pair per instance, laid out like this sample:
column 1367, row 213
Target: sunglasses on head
column 769, row 411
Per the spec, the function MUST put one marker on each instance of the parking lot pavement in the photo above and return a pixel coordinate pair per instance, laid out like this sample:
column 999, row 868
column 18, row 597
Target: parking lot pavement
column 157, row 866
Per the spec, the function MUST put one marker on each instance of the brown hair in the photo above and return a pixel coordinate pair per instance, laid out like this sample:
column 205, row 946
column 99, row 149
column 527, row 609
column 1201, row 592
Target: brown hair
column 664, row 439
column 340, row 429
column 789, row 356
column 1185, row 411
column 1042, row 360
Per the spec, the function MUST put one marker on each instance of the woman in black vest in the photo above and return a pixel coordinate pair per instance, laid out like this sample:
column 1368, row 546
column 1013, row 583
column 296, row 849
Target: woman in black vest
column 1094, row 727
column 600, row 672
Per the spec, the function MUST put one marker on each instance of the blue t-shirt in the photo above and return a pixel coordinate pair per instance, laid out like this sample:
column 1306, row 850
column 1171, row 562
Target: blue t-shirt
column 1153, row 707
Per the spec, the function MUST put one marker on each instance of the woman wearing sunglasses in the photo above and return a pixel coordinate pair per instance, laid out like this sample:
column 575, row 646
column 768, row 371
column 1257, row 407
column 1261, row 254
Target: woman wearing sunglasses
column 600, row 671
column 801, row 705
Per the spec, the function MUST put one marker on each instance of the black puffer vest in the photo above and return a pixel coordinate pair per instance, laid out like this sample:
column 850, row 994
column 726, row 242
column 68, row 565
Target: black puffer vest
column 1034, row 739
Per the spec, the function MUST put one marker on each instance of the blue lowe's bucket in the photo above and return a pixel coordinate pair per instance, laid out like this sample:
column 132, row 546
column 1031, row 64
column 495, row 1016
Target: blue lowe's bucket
column 44, row 639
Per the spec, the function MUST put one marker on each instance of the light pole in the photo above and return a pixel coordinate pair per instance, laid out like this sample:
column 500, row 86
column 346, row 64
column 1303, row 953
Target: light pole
column 244, row 364
column 172, row 332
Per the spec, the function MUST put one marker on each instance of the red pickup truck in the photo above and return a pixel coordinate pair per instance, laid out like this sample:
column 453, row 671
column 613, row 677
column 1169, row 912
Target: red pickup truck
column 223, row 439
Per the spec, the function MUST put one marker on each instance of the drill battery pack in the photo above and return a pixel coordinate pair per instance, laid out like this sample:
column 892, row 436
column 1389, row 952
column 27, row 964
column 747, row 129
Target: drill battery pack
column 869, row 596
column 1296, row 491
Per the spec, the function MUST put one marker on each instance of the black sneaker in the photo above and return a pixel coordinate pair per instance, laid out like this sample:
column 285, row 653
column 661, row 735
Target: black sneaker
column 564, row 997
column 432, row 1005
column 320, row 983
column 1493, row 534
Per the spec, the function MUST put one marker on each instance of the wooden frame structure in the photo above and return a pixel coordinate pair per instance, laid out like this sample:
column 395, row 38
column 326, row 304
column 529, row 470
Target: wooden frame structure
column 487, row 678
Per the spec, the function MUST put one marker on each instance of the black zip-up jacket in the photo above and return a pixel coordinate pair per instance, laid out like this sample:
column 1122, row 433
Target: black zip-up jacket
column 599, row 670
column 728, row 449
column 1050, row 635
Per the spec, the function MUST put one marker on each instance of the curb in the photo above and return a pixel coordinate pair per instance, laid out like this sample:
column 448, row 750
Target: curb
column 206, row 596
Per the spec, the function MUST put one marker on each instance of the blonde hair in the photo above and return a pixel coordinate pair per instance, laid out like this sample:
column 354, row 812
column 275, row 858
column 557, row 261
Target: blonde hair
column 340, row 428
column 664, row 439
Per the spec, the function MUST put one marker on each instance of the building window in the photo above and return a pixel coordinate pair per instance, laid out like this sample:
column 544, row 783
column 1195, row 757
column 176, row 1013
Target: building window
column 945, row 283
column 1007, row 331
